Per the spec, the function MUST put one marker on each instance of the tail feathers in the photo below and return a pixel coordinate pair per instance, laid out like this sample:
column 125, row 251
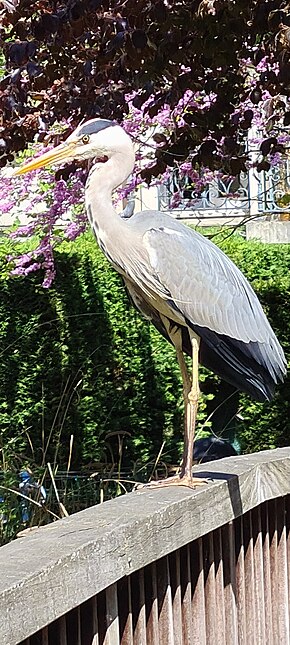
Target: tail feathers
column 253, row 368
column 247, row 366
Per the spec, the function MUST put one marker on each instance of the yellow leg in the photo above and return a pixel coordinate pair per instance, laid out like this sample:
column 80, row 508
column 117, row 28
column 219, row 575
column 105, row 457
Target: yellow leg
column 191, row 396
column 191, row 404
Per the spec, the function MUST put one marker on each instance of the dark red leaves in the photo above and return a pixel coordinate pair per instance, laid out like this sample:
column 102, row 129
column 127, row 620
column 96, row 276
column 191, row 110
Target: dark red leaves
column 80, row 58
column 263, row 165
column 267, row 145
column 20, row 52
column 139, row 39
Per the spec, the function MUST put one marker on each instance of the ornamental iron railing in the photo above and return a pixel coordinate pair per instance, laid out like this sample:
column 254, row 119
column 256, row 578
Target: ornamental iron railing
column 251, row 194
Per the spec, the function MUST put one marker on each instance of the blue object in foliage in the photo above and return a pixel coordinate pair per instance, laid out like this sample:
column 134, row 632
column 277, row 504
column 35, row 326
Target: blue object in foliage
column 29, row 488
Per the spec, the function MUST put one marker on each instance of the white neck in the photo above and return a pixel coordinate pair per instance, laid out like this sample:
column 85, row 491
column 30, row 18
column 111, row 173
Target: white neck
column 102, row 180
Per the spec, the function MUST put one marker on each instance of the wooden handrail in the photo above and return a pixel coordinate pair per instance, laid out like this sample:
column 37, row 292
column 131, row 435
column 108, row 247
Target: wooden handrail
column 59, row 566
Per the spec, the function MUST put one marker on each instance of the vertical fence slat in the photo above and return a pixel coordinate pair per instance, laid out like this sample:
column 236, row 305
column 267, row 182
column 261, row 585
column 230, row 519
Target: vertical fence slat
column 151, row 604
column 273, row 544
column 267, row 575
column 249, row 579
column 165, row 616
column 219, row 588
column 62, row 631
column 138, row 607
column 79, row 630
column 287, row 508
column 44, row 634
column 198, row 599
column 94, row 607
column 259, row 594
column 101, row 616
column 229, row 570
column 125, row 611
column 88, row 628
column 186, row 613
column 112, row 618
column 209, row 587
column 282, row 598
column 69, row 629
column 240, row 581
column 174, row 572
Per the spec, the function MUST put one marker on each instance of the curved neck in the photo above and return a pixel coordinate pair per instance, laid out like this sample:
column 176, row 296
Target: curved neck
column 101, row 182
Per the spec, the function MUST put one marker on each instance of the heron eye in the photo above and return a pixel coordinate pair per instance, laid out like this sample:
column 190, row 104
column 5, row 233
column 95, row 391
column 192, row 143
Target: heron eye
column 85, row 138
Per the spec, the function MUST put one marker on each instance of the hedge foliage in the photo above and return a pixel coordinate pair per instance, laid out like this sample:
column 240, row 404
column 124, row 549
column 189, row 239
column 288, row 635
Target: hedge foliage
column 79, row 360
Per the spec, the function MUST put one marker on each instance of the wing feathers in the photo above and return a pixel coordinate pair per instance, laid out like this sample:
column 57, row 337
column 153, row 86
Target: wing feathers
column 202, row 288
column 212, row 292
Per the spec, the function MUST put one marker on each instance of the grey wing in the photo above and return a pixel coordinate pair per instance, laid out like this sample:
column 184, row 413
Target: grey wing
column 206, row 287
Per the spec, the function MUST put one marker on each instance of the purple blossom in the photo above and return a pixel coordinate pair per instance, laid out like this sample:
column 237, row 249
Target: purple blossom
column 57, row 208
column 48, row 209
column 74, row 229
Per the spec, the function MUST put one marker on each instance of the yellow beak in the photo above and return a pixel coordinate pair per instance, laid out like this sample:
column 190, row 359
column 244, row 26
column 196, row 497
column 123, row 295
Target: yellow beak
column 62, row 152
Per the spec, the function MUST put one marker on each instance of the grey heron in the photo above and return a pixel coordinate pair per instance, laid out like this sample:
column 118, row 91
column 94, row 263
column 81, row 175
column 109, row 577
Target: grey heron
column 184, row 284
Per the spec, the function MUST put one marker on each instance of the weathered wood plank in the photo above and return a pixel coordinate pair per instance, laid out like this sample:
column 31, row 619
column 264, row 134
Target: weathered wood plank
column 282, row 597
column 219, row 591
column 164, row 593
column 240, row 581
column 267, row 575
column 259, row 592
column 73, row 559
column 174, row 568
column 138, row 608
column 230, row 594
column 112, row 617
column 198, row 599
column 151, row 602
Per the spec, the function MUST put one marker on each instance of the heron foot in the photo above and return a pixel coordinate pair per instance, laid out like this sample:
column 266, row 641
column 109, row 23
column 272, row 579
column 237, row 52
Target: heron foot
column 176, row 480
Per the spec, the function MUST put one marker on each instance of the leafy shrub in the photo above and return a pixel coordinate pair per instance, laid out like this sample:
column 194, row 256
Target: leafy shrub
column 78, row 360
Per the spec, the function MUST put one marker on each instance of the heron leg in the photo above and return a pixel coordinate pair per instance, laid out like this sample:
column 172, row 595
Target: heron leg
column 190, row 396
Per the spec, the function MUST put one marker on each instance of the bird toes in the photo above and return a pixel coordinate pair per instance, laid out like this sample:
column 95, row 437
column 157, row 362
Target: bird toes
column 177, row 480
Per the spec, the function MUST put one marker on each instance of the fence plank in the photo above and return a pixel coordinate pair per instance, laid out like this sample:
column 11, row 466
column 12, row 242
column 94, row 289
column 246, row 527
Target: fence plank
column 249, row 579
column 125, row 611
column 219, row 588
column 229, row 570
column 210, row 590
column 198, row 599
column 112, row 617
column 267, row 575
column 62, row 631
column 282, row 578
column 240, row 581
column 273, row 545
column 165, row 614
column 186, row 594
column 138, row 608
column 152, row 633
column 95, row 628
column 84, row 555
column 174, row 573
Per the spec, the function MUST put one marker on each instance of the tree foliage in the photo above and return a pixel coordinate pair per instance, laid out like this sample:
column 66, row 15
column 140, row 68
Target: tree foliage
column 187, row 80
column 80, row 59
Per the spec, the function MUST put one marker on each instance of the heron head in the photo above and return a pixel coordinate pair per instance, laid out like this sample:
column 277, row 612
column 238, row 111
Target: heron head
column 97, row 138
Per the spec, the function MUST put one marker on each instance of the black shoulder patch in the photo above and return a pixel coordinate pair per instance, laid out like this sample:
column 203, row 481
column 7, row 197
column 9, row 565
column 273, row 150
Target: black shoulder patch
column 92, row 127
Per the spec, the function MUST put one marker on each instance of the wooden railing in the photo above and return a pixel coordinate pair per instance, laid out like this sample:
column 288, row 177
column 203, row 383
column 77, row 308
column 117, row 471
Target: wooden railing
column 169, row 567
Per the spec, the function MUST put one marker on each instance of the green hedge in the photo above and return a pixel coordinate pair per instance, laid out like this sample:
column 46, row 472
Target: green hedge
column 79, row 360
